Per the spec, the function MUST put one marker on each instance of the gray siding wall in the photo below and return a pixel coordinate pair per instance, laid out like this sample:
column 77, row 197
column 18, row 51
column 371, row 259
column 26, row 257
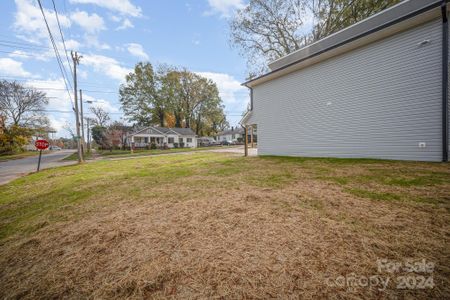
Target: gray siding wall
column 378, row 101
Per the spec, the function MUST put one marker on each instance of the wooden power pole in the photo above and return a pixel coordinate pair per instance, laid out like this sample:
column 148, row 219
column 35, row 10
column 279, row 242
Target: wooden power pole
column 88, row 136
column 245, row 140
column 76, row 61
column 83, row 145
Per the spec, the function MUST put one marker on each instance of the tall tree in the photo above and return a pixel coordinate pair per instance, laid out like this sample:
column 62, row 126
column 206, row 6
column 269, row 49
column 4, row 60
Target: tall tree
column 170, row 92
column 171, row 97
column 13, row 138
column 141, row 98
column 266, row 30
column 101, row 116
column 334, row 15
column 208, row 108
column 187, row 94
column 22, row 106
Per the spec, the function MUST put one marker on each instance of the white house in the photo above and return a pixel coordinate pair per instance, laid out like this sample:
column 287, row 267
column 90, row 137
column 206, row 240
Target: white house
column 231, row 135
column 377, row 89
column 162, row 136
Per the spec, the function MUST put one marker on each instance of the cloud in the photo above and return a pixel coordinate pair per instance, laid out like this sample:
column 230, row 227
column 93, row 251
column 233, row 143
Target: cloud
column 124, row 7
column 224, row 7
column 70, row 44
column 126, row 23
column 28, row 20
column 55, row 90
column 137, row 50
column 234, row 96
column 11, row 67
column 25, row 55
column 99, row 102
column 106, row 65
column 90, row 23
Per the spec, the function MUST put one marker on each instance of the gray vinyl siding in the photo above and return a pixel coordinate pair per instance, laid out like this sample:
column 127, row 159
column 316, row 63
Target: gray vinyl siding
column 378, row 101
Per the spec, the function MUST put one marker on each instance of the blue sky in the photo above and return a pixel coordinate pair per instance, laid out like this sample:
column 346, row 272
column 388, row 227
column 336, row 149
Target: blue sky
column 113, row 35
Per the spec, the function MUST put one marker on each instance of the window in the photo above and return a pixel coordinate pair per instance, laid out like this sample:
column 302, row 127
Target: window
column 189, row 140
column 171, row 140
column 180, row 139
column 146, row 140
column 233, row 136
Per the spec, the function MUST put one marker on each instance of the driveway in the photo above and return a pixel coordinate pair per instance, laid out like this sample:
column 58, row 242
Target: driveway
column 239, row 150
column 13, row 169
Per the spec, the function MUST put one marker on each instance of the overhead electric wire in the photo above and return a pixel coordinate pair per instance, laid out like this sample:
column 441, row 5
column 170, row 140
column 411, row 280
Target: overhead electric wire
column 62, row 37
column 68, row 111
column 25, row 44
column 24, row 54
column 20, row 47
column 58, row 57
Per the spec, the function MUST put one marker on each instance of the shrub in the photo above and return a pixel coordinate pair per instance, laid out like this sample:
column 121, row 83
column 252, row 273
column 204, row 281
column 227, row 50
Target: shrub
column 153, row 146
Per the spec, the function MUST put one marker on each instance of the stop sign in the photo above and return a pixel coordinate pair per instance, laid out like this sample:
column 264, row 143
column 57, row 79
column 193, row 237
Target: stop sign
column 41, row 144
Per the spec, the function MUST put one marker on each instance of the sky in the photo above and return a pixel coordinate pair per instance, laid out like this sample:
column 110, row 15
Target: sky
column 112, row 36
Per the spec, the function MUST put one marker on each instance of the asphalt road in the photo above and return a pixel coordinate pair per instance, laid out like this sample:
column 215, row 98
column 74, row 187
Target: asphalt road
column 13, row 169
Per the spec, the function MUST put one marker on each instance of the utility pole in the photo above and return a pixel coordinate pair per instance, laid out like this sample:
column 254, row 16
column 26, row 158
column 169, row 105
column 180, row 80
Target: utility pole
column 76, row 61
column 82, row 123
column 88, row 137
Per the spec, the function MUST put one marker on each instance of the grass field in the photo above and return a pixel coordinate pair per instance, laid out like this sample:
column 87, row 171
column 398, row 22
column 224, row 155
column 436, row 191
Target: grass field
column 137, row 153
column 214, row 225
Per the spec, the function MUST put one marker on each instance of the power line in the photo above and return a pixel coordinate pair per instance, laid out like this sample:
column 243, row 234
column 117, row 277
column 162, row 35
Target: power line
column 58, row 57
column 26, row 79
column 71, row 112
column 20, row 47
column 25, row 54
column 27, row 46
column 62, row 37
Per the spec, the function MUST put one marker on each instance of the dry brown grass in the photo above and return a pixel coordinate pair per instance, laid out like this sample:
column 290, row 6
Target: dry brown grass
column 233, row 228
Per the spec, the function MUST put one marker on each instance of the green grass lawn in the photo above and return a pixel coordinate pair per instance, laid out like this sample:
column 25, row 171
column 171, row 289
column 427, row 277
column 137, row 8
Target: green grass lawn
column 138, row 152
column 220, row 225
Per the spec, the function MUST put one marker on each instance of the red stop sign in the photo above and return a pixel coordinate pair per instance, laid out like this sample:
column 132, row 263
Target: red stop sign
column 41, row 144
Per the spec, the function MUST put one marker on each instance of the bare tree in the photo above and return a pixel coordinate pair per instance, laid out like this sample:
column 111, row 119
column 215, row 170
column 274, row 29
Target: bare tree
column 266, row 30
column 101, row 116
column 22, row 106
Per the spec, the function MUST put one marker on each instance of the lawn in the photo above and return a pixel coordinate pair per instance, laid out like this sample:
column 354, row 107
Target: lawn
column 216, row 225
column 137, row 153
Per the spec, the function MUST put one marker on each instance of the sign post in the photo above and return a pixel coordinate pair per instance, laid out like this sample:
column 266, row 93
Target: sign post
column 40, row 144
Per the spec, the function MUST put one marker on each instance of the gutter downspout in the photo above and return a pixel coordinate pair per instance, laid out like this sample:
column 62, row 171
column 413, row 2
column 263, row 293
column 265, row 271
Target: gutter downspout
column 445, row 53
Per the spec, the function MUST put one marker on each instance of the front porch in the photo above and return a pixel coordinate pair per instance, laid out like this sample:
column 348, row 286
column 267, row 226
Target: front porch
column 249, row 124
column 147, row 141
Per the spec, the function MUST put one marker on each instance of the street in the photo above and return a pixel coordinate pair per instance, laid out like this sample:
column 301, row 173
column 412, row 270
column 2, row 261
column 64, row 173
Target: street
column 13, row 169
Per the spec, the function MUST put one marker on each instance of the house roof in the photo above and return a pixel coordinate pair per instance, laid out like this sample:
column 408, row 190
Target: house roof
column 183, row 131
column 164, row 131
column 385, row 23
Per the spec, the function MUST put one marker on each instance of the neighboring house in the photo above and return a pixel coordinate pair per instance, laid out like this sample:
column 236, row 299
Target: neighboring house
column 231, row 135
column 161, row 136
column 377, row 89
